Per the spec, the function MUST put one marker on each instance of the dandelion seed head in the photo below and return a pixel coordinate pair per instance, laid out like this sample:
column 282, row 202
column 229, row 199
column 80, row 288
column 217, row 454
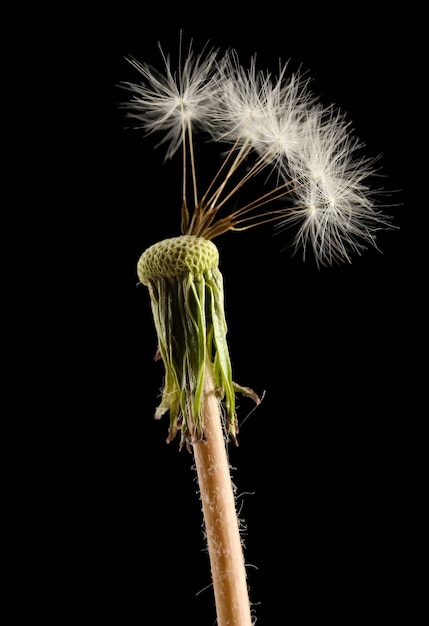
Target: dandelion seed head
column 171, row 100
column 322, row 178
column 237, row 118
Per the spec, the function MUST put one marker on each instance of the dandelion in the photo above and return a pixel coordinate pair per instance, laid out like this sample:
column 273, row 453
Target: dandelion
column 175, row 103
column 261, row 111
column 315, row 181
column 333, row 204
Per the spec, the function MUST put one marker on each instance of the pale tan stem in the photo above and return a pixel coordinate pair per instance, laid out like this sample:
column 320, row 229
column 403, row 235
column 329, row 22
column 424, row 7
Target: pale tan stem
column 220, row 518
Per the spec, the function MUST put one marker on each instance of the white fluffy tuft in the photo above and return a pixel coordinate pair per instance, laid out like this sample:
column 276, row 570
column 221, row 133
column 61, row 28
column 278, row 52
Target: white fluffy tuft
column 316, row 159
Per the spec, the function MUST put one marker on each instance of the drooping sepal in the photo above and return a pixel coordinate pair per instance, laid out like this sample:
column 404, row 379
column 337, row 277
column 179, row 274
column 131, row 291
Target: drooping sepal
column 188, row 312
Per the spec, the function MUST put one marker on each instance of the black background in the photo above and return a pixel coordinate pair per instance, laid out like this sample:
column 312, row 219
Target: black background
column 325, row 468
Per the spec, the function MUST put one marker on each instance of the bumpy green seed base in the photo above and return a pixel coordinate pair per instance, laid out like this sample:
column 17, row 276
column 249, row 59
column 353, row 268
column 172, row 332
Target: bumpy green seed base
column 186, row 291
column 172, row 258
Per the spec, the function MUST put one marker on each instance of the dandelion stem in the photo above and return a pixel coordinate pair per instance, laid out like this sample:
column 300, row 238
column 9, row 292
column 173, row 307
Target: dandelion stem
column 244, row 151
column 220, row 517
column 185, row 211
column 193, row 170
column 222, row 167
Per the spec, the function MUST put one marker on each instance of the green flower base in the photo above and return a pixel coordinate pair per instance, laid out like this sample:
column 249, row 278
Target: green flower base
column 187, row 298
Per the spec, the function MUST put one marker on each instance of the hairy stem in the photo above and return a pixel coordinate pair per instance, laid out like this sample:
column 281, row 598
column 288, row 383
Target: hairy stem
column 220, row 517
